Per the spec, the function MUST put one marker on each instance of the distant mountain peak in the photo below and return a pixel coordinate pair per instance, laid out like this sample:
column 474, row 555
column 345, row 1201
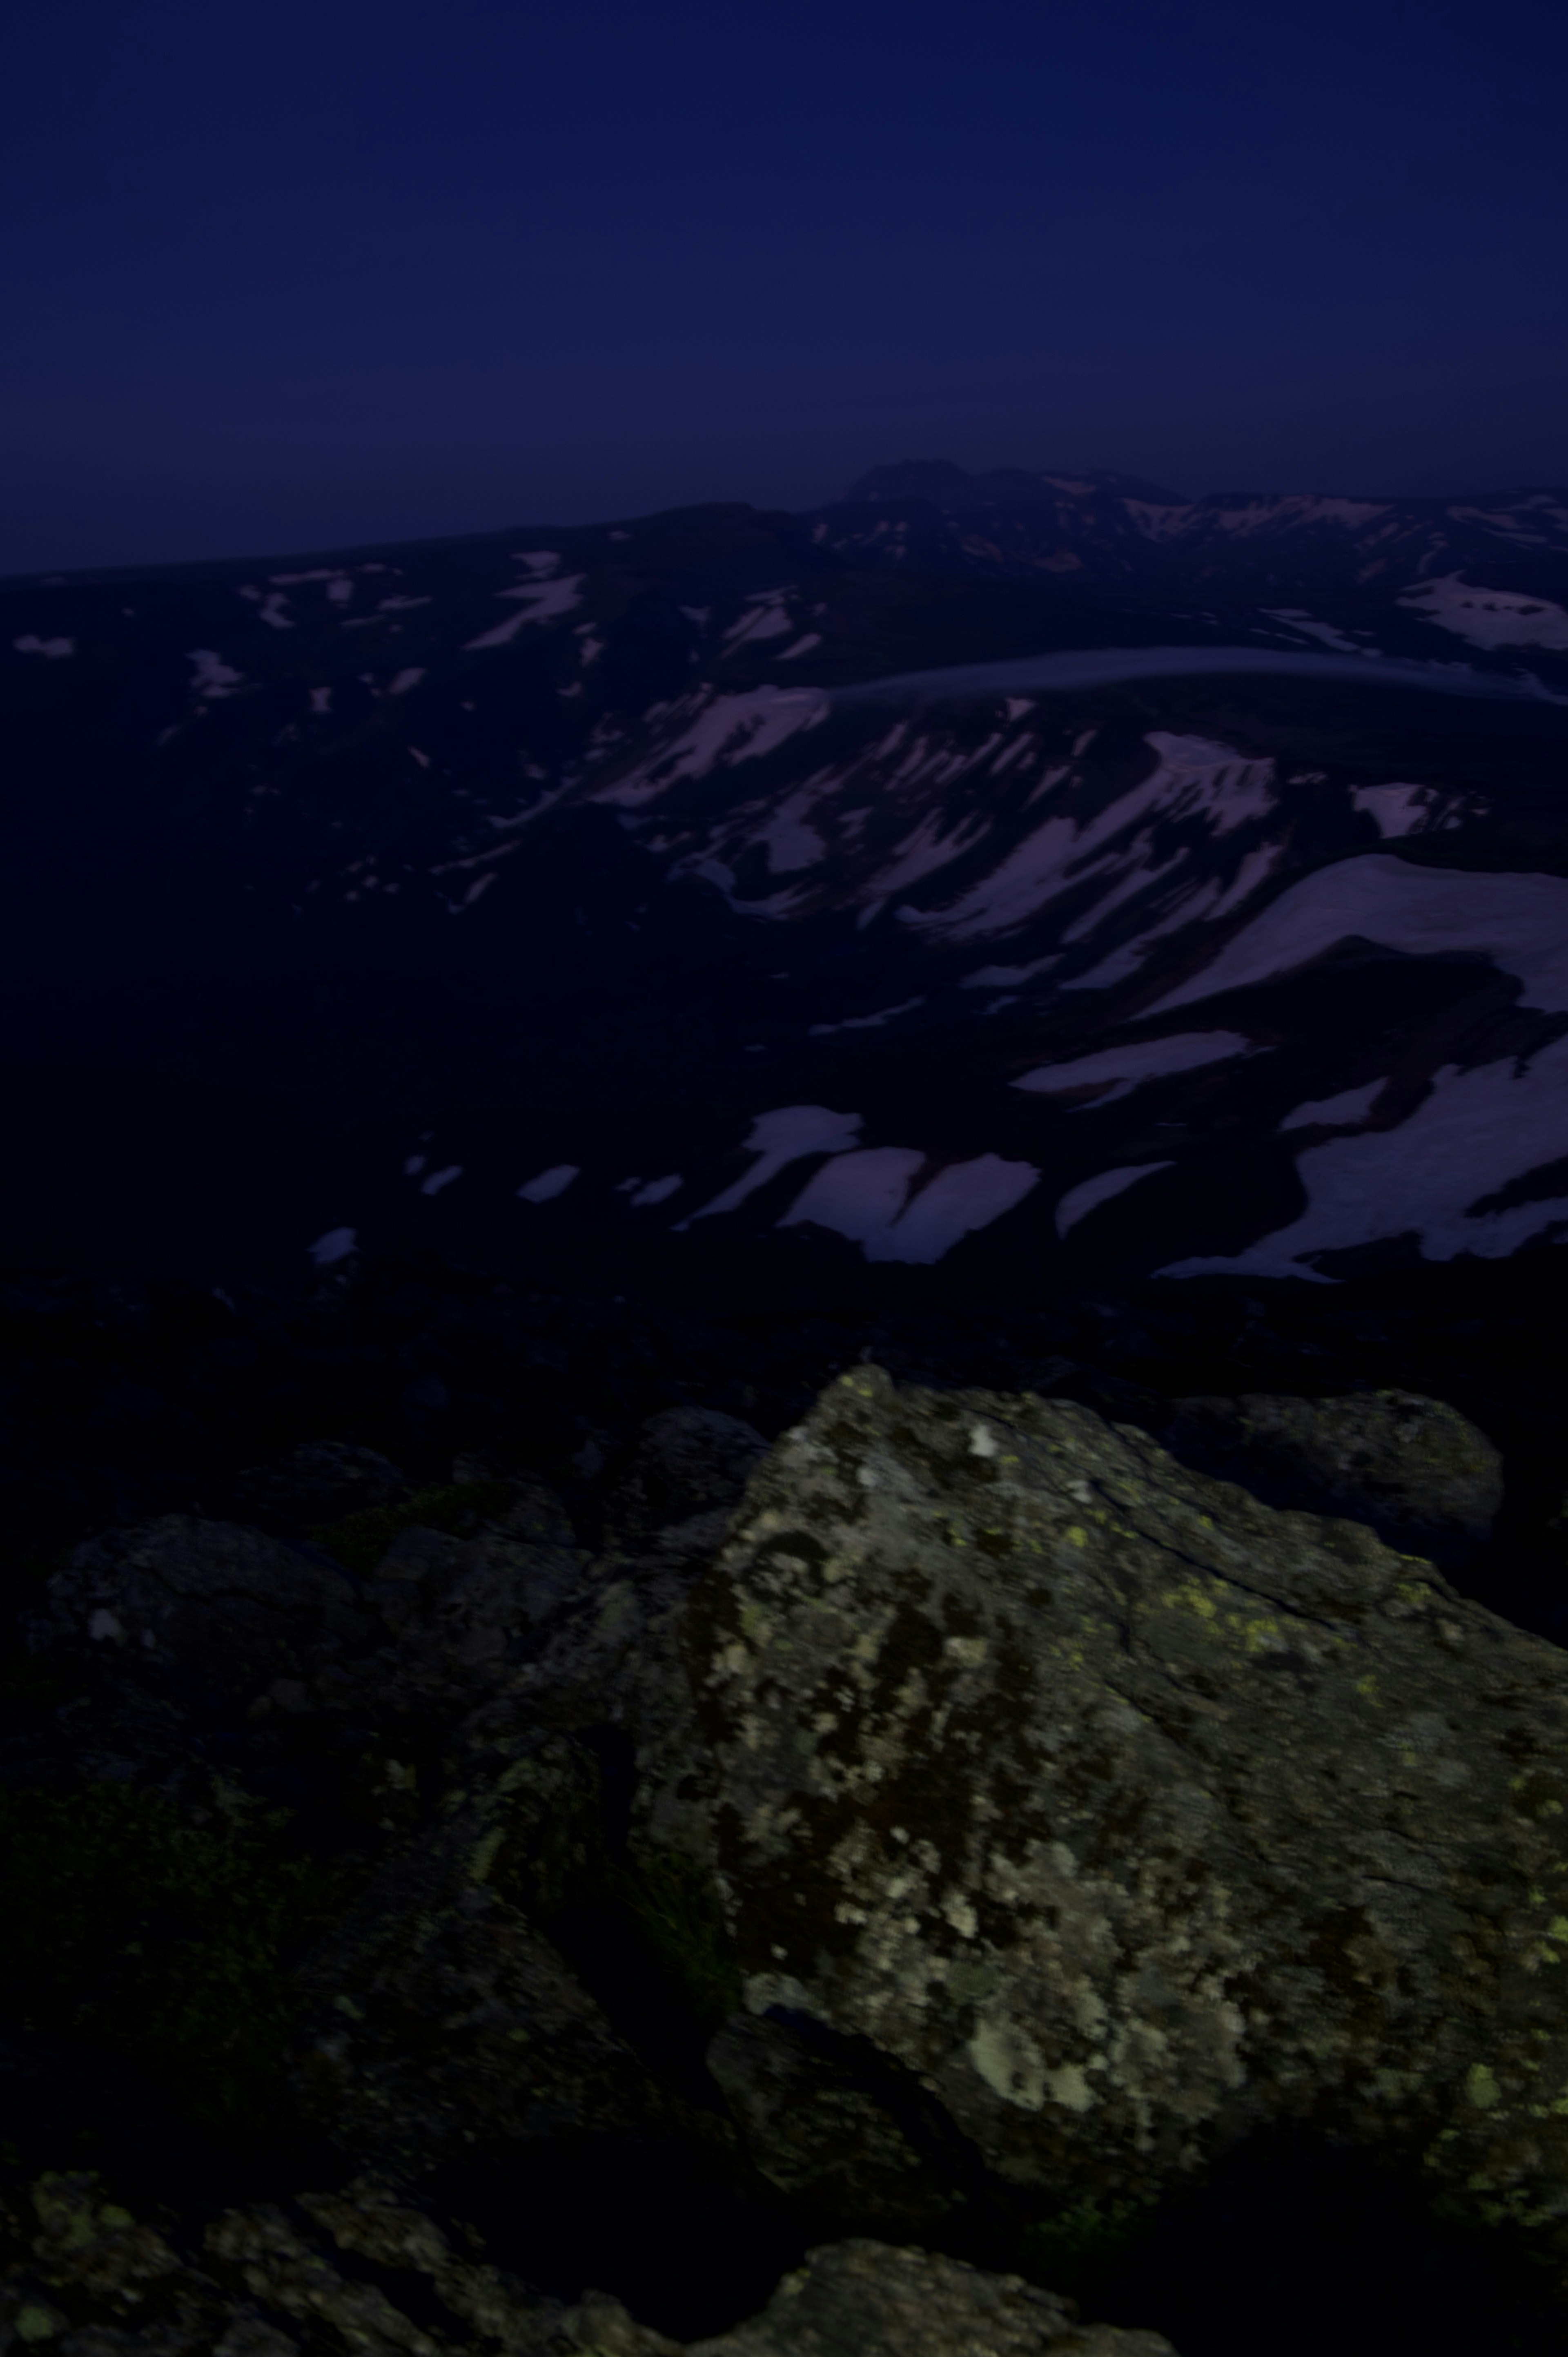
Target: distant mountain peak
column 955, row 489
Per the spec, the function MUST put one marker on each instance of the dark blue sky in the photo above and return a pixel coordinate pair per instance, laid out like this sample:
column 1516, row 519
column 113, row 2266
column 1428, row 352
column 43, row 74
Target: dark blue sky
column 324, row 270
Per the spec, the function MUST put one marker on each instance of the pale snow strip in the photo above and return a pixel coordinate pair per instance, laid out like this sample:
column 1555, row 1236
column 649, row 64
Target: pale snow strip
column 414, row 1165
column 658, row 1190
column 789, row 839
column 1489, row 618
column 272, row 612
column 1107, row 666
column 540, row 561
column 1195, row 900
column 779, row 1137
column 1093, row 1191
column 866, row 1197
column 405, row 680
column 335, row 1245
column 1519, row 921
column 439, row 1179
column 1326, row 631
column 321, row 699
column 733, row 728
column 53, row 648
column 859, row 1196
column 1398, row 810
column 802, row 646
column 547, row 601
column 1476, row 1131
column 958, row 1199
column 1191, row 775
column 995, row 978
column 549, row 1183
column 1351, row 1105
column 1129, row 1066
column 865, row 1022
column 213, row 676
column 763, row 617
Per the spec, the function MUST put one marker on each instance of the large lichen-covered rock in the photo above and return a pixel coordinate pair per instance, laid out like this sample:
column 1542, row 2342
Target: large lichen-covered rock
column 1423, row 1475
column 1124, row 1812
column 863, row 2298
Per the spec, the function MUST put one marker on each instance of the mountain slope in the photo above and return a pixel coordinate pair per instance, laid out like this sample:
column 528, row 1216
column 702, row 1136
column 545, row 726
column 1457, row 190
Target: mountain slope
column 670, row 900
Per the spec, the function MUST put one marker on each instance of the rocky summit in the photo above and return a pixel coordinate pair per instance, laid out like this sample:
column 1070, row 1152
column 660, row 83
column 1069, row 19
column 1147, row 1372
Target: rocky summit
column 929, row 1875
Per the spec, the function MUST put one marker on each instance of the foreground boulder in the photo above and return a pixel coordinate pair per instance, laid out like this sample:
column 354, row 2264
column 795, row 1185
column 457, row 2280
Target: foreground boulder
column 1118, row 1813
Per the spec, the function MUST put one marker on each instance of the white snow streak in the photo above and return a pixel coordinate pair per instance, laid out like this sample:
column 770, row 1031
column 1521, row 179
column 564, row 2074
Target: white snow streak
column 1489, row 618
column 779, row 1137
column 549, row 1183
column 1519, row 921
column 866, row 1197
column 1091, row 1193
column 1115, row 1072
column 1350, row 1105
column 1476, row 1132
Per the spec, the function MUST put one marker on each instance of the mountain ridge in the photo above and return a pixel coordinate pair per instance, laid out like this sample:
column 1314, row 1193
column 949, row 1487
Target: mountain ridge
column 583, row 787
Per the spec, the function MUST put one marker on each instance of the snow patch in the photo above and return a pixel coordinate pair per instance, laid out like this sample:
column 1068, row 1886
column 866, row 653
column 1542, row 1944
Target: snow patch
column 779, row 1137
column 1115, row 1072
column 1398, row 810
column 731, row 728
column 439, row 1179
column 543, row 601
column 1090, row 1192
column 657, row 1190
column 53, row 649
column 1476, row 1132
column 214, row 678
column 1489, row 618
column 866, row 1197
column 1351, row 1105
column 549, row 1183
column 865, row 1022
column 996, row 977
column 405, row 680
column 335, row 1245
column 1521, row 922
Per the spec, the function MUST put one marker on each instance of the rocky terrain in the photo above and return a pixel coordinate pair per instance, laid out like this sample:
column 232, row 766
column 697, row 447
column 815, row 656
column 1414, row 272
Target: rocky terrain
column 532, row 1822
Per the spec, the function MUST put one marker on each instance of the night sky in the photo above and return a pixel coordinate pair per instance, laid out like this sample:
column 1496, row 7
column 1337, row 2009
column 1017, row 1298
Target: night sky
column 325, row 271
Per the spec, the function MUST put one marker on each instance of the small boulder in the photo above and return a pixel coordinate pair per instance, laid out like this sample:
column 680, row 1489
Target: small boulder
column 216, row 1600
column 688, row 1462
column 870, row 2300
column 1419, row 1473
column 319, row 1481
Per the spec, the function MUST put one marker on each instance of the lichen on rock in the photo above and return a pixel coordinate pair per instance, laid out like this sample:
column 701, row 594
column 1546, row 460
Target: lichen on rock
column 1123, row 1812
